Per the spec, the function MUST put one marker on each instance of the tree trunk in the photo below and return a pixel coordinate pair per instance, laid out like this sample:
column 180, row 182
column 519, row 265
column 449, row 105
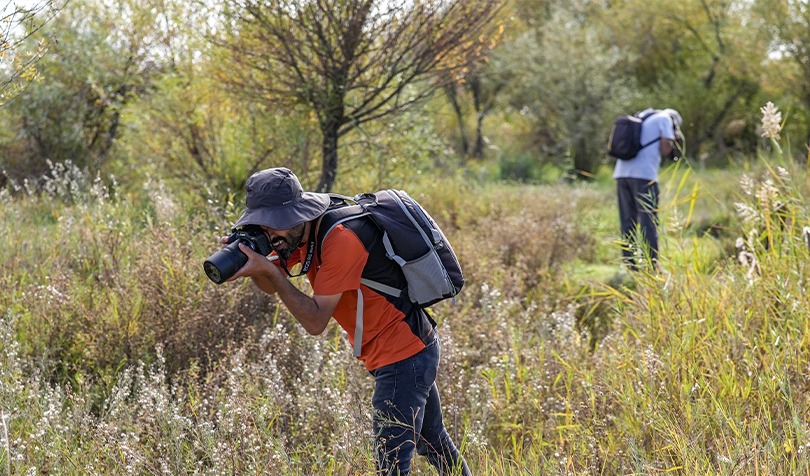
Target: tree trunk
column 478, row 151
column 475, row 87
column 585, row 163
column 329, row 149
column 452, row 95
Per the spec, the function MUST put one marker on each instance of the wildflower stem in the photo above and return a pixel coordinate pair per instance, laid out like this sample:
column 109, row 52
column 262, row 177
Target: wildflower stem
column 807, row 163
column 5, row 435
column 778, row 148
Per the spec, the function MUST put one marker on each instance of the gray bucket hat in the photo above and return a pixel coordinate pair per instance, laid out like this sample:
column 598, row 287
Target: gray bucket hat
column 275, row 199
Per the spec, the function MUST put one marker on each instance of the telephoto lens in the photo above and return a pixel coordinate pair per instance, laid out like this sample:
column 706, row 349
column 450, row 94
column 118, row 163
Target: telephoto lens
column 223, row 264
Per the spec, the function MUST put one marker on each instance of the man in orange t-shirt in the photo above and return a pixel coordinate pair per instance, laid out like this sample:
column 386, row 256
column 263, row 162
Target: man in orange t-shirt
column 397, row 341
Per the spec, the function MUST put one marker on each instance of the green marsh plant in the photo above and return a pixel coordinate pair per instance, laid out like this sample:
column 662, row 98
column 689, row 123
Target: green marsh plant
column 119, row 357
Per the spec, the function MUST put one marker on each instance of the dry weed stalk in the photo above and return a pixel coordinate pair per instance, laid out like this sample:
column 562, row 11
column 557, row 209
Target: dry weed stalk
column 3, row 417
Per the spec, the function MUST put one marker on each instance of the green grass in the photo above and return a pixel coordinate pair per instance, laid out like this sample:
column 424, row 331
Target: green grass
column 117, row 356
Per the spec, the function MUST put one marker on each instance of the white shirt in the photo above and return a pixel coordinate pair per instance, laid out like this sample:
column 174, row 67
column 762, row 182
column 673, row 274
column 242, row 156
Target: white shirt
column 645, row 165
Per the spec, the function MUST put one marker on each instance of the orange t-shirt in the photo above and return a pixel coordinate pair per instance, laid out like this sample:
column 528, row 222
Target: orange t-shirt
column 386, row 337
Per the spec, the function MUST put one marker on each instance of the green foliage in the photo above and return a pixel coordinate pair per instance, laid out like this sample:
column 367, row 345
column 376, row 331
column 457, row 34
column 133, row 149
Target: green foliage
column 526, row 166
column 724, row 347
column 348, row 62
column 117, row 356
column 22, row 44
column 192, row 130
column 127, row 283
column 790, row 22
column 129, row 359
column 568, row 84
column 98, row 65
column 573, row 66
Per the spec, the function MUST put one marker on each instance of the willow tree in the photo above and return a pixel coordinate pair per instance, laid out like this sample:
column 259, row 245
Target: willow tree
column 108, row 53
column 350, row 61
column 705, row 58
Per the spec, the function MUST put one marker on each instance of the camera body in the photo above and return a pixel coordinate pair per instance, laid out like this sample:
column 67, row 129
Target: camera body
column 677, row 147
column 223, row 264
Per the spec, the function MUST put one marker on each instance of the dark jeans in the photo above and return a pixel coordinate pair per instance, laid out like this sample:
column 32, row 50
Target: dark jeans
column 638, row 213
column 408, row 414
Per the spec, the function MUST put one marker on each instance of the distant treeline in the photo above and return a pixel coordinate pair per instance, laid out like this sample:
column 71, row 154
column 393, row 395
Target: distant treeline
column 334, row 87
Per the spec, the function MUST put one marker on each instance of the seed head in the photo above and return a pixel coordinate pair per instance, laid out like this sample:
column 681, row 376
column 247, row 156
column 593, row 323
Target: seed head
column 771, row 121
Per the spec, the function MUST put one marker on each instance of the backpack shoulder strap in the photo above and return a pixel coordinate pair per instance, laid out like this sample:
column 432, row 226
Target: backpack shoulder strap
column 342, row 209
column 650, row 143
column 333, row 217
column 647, row 116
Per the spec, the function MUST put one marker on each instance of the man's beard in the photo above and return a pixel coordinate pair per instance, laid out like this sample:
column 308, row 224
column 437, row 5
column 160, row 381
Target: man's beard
column 292, row 242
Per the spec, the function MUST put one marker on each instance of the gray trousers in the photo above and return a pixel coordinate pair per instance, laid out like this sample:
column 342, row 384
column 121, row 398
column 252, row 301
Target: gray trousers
column 638, row 213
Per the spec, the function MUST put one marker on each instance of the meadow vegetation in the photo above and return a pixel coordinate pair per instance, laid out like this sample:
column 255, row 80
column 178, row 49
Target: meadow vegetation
column 120, row 357
column 124, row 155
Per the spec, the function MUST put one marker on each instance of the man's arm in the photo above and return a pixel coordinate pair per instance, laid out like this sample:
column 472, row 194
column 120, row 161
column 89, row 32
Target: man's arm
column 312, row 312
column 666, row 147
column 263, row 283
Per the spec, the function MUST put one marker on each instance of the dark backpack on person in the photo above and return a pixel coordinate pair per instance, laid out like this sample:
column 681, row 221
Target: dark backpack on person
column 411, row 239
column 624, row 141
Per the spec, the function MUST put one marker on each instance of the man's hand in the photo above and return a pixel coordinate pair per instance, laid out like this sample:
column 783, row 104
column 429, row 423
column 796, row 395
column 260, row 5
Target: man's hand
column 258, row 268
column 312, row 312
column 257, row 265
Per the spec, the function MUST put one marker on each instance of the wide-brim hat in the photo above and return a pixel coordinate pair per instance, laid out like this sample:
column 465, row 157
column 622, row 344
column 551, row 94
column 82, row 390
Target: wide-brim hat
column 276, row 200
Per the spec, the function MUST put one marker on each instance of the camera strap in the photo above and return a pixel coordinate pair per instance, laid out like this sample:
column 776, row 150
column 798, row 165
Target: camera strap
column 308, row 258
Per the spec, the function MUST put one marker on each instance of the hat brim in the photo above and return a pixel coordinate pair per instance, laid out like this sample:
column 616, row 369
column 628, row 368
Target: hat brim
column 309, row 207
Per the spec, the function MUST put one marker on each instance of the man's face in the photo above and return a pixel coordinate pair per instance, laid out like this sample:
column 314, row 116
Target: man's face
column 284, row 242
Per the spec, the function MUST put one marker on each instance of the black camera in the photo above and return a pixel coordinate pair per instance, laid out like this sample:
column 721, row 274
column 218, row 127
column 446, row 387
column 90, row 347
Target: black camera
column 678, row 148
column 223, row 264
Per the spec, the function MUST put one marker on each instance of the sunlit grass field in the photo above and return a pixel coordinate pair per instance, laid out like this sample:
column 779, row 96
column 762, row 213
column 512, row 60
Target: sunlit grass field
column 118, row 356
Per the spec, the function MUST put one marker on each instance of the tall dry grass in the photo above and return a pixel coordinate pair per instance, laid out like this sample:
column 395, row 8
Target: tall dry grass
column 117, row 356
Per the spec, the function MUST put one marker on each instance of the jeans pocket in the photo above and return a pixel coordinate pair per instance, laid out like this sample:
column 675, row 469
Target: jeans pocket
column 426, row 366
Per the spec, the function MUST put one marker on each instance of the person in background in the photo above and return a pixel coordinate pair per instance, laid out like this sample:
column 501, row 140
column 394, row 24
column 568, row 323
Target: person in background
column 637, row 183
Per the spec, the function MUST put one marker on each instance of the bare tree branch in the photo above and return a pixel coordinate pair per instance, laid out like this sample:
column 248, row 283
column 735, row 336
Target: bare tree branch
column 351, row 61
column 18, row 58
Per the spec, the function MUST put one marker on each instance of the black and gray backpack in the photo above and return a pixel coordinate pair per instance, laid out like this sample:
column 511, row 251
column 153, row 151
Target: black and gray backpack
column 624, row 141
column 411, row 239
